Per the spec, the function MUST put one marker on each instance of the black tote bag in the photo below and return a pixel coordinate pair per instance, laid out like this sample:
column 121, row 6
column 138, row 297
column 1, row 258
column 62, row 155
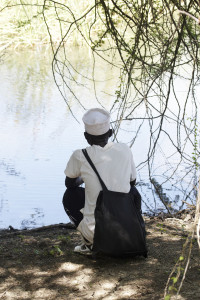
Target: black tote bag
column 119, row 226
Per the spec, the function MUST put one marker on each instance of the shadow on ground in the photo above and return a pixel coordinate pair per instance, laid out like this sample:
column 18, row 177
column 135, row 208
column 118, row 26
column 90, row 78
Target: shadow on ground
column 41, row 265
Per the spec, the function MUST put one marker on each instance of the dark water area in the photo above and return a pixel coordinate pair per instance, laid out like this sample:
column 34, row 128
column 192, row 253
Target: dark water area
column 38, row 134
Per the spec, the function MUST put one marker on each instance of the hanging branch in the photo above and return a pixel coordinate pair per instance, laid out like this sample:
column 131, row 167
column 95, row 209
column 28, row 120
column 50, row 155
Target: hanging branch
column 148, row 45
column 189, row 15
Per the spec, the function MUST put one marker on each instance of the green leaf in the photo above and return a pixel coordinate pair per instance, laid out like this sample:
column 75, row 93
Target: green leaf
column 174, row 279
column 52, row 252
column 167, row 297
column 22, row 237
column 181, row 258
column 172, row 288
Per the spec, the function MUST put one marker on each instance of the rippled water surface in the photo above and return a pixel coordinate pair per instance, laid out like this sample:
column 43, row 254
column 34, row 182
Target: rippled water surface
column 38, row 134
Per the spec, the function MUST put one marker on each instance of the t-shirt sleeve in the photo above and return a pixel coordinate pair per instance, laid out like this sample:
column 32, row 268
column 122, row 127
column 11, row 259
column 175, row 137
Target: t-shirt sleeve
column 133, row 169
column 73, row 167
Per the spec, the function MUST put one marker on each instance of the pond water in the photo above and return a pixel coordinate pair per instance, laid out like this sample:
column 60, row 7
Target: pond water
column 38, row 134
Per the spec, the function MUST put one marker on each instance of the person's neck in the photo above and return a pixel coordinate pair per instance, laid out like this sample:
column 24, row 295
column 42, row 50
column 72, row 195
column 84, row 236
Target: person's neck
column 101, row 144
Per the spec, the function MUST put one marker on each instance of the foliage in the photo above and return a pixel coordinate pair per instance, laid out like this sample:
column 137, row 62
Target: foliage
column 195, row 154
column 55, row 251
column 64, row 239
column 21, row 236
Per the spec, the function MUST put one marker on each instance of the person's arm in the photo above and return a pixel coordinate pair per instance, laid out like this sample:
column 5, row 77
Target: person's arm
column 73, row 182
column 133, row 171
column 133, row 182
column 72, row 171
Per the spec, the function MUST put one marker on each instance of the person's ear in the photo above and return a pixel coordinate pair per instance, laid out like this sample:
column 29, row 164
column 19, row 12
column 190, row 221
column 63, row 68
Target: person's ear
column 88, row 138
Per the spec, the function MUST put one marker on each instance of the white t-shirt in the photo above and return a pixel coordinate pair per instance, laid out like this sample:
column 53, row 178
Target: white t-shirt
column 115, row 165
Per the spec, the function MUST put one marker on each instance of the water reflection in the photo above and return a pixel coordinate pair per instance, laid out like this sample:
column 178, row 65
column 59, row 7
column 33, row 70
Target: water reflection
column 9, row 168
column 34, row 220
column 38, row 134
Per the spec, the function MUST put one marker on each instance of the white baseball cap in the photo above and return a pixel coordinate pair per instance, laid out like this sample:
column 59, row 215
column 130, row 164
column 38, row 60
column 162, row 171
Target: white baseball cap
column 96, row 121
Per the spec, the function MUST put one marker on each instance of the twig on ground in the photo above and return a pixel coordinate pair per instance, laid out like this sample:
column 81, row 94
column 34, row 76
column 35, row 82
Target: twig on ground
column 4, row 293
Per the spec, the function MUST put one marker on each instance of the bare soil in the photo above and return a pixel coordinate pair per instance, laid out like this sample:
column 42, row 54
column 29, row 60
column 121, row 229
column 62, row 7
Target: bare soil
column 41, row 264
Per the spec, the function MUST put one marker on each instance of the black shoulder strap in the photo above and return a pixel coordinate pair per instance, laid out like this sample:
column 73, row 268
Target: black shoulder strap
column 94, row 168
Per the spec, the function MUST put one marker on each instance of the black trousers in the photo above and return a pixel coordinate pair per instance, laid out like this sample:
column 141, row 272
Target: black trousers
column 74, row 200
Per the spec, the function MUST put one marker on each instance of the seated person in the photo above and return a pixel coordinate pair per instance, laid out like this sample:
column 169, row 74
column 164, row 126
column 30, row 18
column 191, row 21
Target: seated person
column 115, row 165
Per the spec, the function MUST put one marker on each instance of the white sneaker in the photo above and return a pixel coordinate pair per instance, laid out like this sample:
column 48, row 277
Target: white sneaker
column 82, row 249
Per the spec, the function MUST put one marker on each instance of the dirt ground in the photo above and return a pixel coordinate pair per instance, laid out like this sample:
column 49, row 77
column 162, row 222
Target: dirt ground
column 41, row 264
